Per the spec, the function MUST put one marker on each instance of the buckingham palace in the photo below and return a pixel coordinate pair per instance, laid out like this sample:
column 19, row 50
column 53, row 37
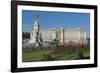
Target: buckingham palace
column 39, row 35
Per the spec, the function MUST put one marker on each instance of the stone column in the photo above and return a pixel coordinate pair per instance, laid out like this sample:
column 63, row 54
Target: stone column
column 62, row 35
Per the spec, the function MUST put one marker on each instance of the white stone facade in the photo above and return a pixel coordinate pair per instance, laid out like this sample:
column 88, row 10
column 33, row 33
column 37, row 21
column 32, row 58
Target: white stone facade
column 63, row 35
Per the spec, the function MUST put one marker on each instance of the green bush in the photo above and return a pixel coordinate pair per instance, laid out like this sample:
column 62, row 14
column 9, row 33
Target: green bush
column 80, row 55
column 47, row 57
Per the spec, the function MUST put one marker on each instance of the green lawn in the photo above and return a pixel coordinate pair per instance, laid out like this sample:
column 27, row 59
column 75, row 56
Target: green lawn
column 34, row 55
column 51, row 55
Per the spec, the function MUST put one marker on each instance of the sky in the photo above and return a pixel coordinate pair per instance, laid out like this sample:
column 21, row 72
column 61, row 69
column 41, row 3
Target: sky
column 49, row 20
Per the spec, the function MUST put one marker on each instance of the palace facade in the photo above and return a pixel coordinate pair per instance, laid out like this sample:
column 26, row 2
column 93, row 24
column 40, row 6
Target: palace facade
column 38, row 35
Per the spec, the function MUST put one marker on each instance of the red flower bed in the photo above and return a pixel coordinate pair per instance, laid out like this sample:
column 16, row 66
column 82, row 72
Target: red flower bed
column 74, row 46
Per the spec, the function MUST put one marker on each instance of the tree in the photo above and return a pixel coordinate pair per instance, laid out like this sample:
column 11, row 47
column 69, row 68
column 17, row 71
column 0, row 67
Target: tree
column 26, row 35
column 88, row 40
column 56, row 41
